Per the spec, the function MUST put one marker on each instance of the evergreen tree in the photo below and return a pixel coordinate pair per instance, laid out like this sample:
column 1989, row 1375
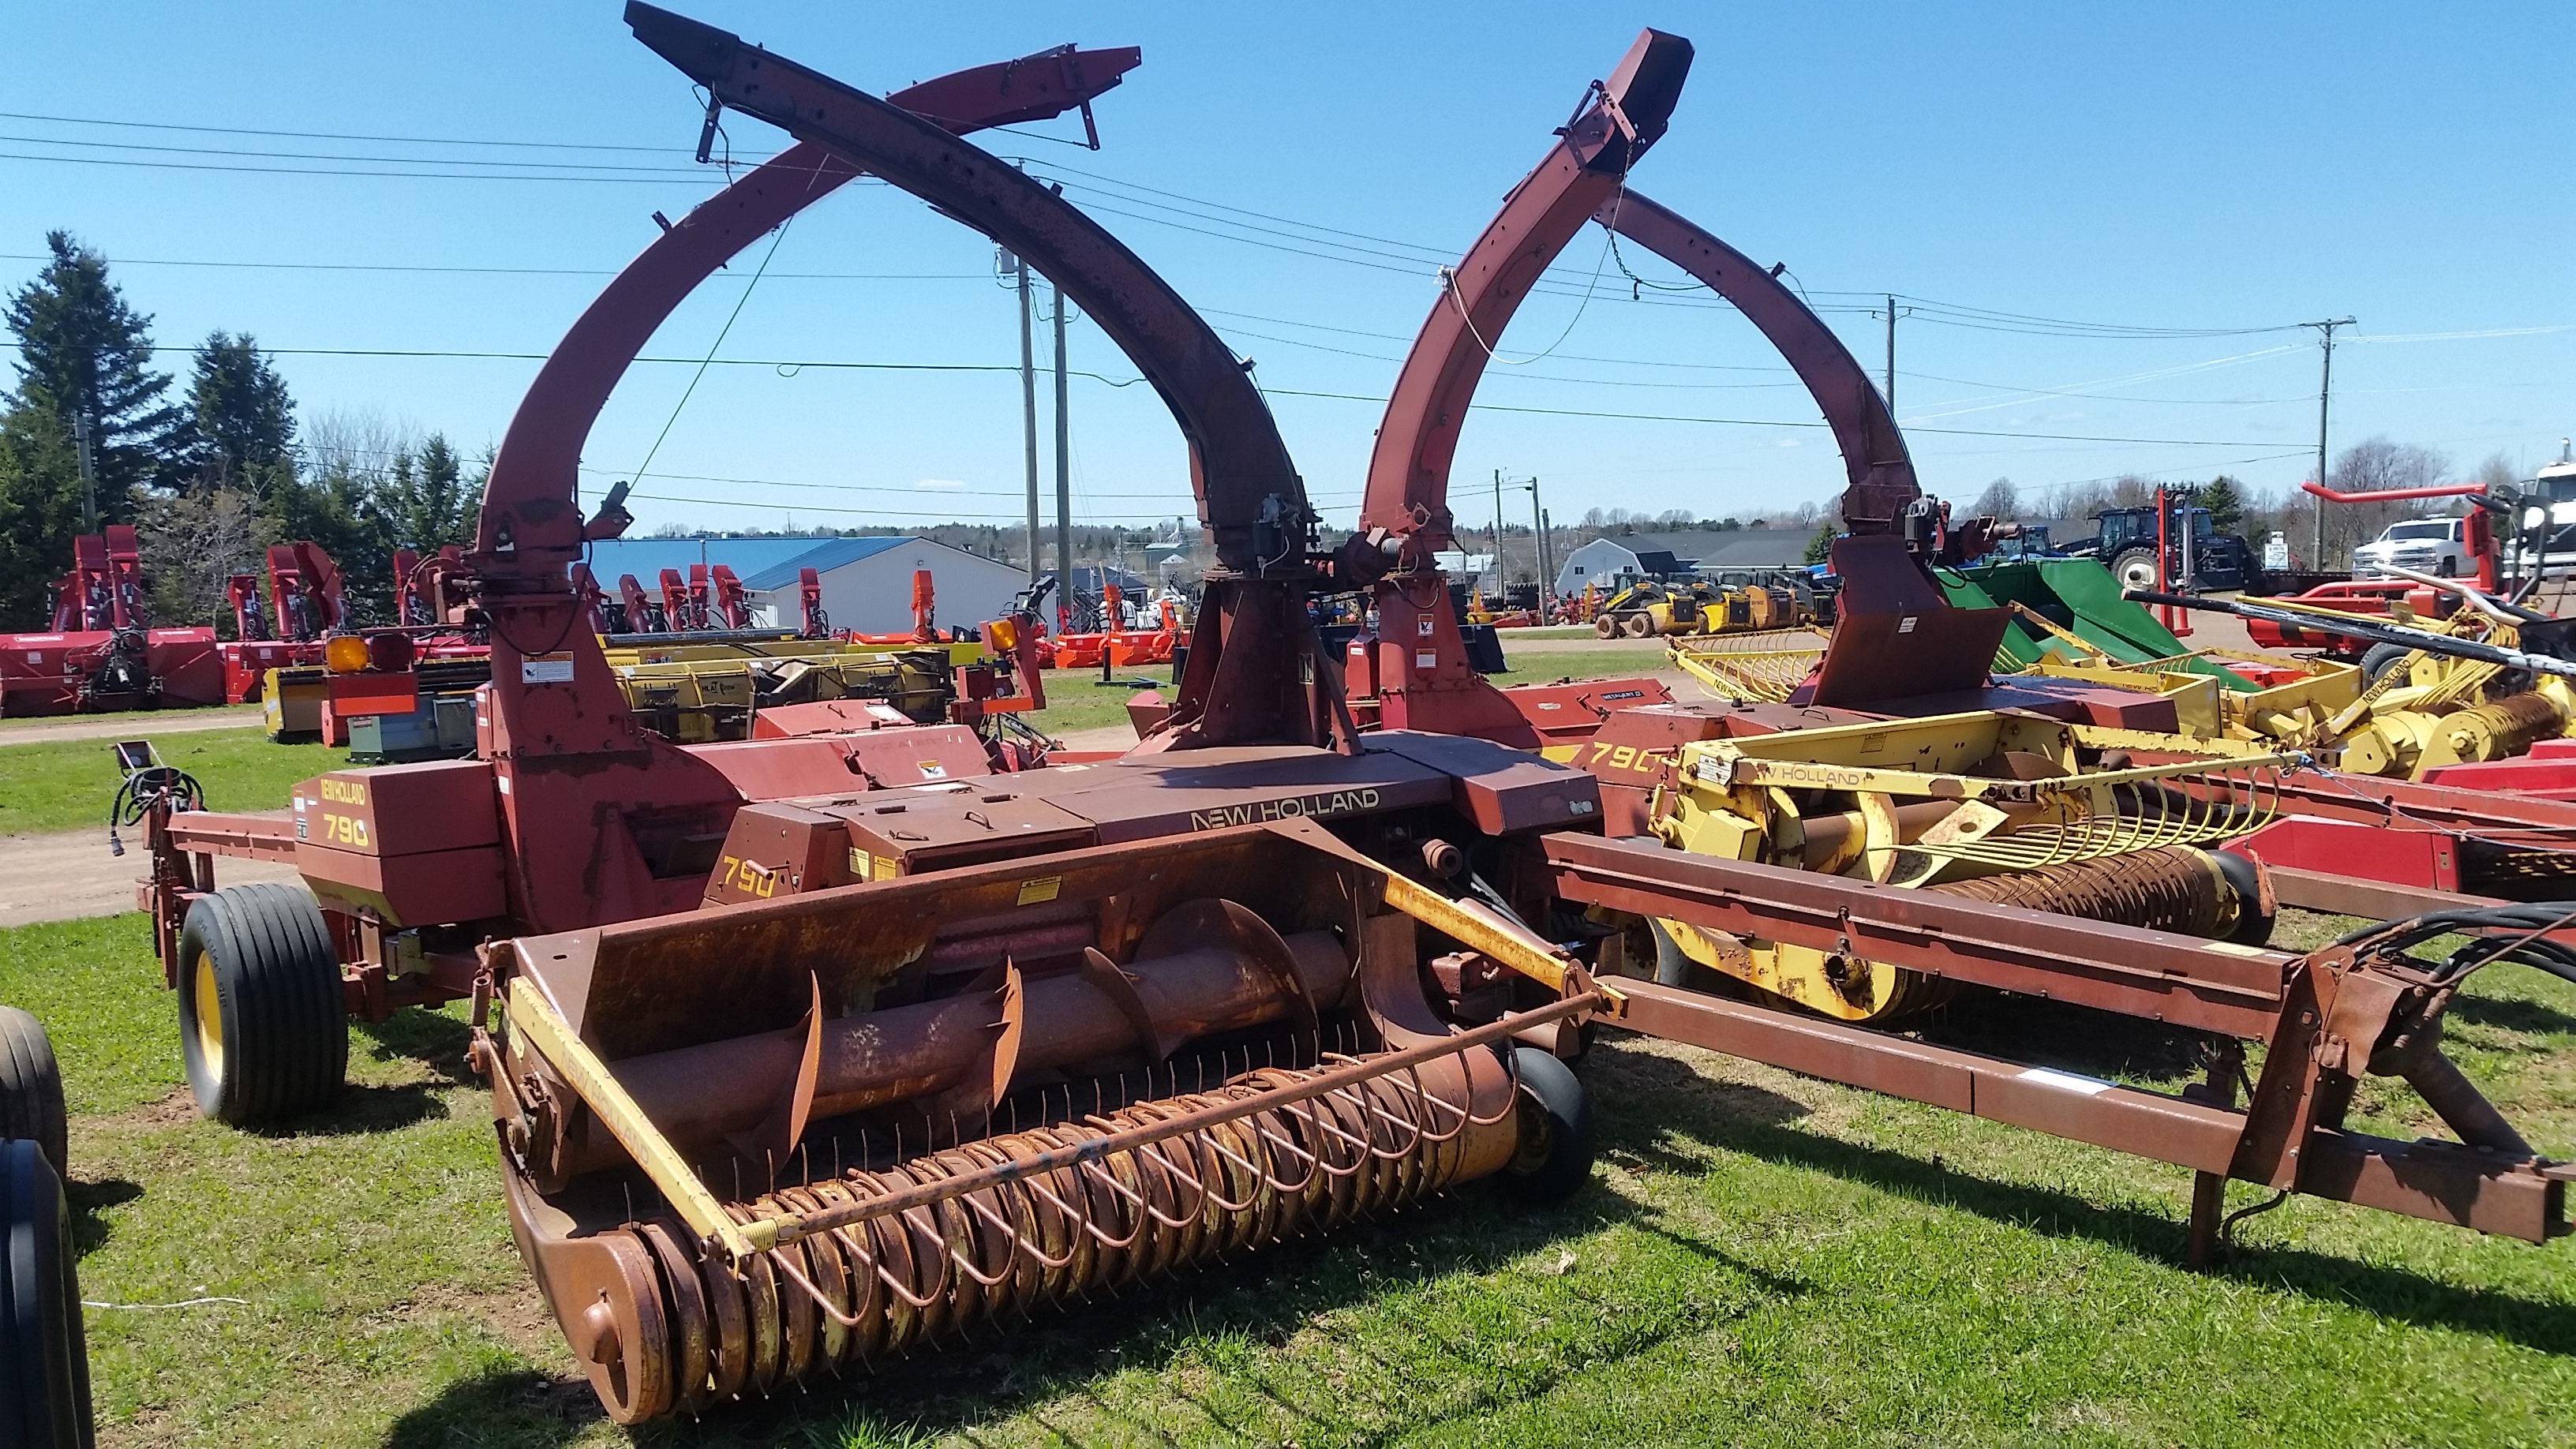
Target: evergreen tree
column 2226, row 504
column 40, row 511
column 242, row 423
column 83, row 352
column 1821, row 547
column 425, row 501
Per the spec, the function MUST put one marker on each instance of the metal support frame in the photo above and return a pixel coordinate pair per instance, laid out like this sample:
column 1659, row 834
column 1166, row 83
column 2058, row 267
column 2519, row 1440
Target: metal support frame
column 2324, row 1018
column 1253, row 675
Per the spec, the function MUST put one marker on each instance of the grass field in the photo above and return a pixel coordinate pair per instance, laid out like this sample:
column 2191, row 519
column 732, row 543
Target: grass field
column 69, row 784
column 1759, row 1258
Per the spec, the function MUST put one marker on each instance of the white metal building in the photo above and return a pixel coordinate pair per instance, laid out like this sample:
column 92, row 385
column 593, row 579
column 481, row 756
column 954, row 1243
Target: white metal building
column 867, row 582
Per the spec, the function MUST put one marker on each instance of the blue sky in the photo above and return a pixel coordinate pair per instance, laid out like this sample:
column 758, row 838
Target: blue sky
column 2168, row 166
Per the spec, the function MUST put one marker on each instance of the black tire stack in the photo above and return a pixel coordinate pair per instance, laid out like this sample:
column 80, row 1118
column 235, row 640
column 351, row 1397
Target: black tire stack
column 44, row 1355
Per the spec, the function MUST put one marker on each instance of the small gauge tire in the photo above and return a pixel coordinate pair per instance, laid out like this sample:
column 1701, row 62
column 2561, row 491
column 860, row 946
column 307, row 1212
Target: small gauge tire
column 262, row 1028
column 2253, row 925
column 1555, row 1156
column 1605, row 627
column 2136, row 568
column 42, row 1349
column 2378, row 659
column 31, row 1087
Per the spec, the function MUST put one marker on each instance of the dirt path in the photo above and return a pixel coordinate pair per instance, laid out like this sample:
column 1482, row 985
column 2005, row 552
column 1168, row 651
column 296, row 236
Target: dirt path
column 70, row 876
column 127, row 726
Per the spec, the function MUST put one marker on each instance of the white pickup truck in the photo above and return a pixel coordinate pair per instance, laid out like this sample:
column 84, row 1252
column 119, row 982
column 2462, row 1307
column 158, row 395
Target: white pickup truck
column 2437, row 546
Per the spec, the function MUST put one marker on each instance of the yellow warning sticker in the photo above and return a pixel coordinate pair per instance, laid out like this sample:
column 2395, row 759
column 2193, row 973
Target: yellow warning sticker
column 859, row 863
column 886, row 869
column 1044, row 888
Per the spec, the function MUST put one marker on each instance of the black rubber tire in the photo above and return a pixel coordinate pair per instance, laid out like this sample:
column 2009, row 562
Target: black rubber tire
column 2142, row 558
column 283, row 1045
column 1672, row 967
column 1557, row 1140
column 1637, row 625
column 1603, row 626
column 2378, row 659
column 31, row 1087
column 43, row 1351
column 2253, row 927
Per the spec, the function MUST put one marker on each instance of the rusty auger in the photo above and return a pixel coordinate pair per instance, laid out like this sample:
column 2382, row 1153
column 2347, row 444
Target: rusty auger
column 731, row 1178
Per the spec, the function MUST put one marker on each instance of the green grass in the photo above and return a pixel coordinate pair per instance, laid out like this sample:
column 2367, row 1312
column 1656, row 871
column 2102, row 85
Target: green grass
column 1540, row 666
column 1759, row 1258
column 69, row 784
column 140, row 717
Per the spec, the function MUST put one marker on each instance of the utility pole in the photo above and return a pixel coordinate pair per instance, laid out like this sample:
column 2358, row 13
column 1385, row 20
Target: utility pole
column 1063, row 477
column 1498, row 529
column 89, row 483
column 1891, row 353
column 2325, row 394
column 1538, row 528
column 1546, row 565
column 1029, row 414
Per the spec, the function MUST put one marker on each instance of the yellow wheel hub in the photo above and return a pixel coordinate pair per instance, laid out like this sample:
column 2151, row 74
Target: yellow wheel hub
column 206, row 1015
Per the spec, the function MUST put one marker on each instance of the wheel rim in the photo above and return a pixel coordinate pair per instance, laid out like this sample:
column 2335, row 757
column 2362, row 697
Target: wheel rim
column 206, row 1017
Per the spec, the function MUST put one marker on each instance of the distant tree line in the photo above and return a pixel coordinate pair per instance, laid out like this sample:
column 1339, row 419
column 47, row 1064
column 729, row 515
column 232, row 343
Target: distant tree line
column 209, row 470
column 2373, row 465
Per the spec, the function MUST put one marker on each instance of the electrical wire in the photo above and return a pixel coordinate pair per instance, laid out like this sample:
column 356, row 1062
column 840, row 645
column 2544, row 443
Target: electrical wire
column 776, row 239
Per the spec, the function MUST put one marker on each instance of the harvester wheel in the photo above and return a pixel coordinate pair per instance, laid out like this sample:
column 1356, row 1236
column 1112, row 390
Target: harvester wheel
column 1637, row 625
column 2253, row 923
column 260, row 1016
column 42, row 1350
column 2378, row 659
column 2137, row 569
column 31, row 1086
column 1605, row 626
column 1555, row 1156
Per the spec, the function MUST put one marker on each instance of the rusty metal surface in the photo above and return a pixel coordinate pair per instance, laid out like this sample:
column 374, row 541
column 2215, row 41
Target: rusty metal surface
column 253, row 837
column 2343, row 895
column 2206, row 985
column 2166, row 888
column 1237, row 458
column 1895, row 635
column 427, row 888
column 656, row 984
column 882, row 759
column 1408, row 478
column 1149, row 796
column 1501, row 791
column 2103, row 1113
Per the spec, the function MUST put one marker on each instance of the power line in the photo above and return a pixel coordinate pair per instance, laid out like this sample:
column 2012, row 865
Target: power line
column 1786, row 423
column 240, row 154
column 1352, row 248
column 323, row 135
column 497, row 271
column 325, row 171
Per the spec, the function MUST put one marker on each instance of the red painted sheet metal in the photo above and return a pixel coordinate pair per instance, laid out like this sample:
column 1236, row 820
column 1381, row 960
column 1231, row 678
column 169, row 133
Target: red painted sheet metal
column 835, row 764
column 2425, row 859
column 2542, row 776
column 1565, row 714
